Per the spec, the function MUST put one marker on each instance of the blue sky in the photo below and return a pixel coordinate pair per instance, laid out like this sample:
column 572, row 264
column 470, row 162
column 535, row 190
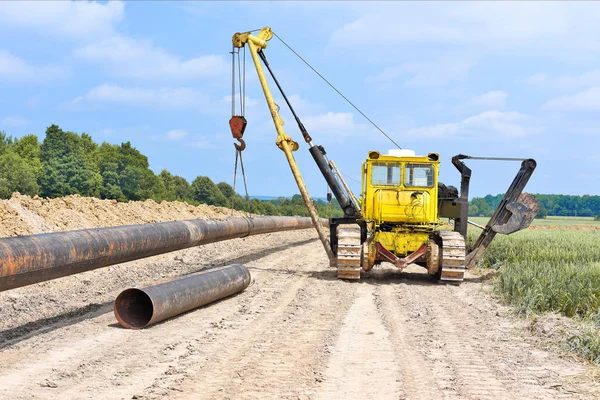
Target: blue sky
column 485, row 79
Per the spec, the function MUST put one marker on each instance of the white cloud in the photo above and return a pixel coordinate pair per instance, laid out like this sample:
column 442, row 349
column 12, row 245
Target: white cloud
column 494, row 100
column 438, row 73
column 65, row 18
column 586, row 100
column 498, row 25
column 153, row 98
column 565, row 82
column 172, row 135
column 488, row 124
column 132, row 58
column 302, row 105
column 202, row 143
column 15, row 121
column 209, row 142
column 176, row 134
column 331, row 123
column 538, row 78
column 12, row 69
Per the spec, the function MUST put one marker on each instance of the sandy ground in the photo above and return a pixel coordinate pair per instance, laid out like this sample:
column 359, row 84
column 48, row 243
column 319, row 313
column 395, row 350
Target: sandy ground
column 295, row 333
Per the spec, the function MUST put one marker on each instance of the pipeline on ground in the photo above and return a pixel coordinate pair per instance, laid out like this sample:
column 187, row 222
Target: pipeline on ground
column 25, row 260
column 138, row 308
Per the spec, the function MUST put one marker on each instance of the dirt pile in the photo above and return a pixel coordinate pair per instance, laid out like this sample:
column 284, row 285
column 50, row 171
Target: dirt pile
column 22, row 215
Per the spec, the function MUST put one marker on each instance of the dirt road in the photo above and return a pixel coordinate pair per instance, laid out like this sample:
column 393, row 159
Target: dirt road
column 295, row 333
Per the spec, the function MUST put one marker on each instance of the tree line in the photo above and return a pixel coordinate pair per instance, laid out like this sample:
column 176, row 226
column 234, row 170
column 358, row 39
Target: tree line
column 551, row 204
column 67, row 163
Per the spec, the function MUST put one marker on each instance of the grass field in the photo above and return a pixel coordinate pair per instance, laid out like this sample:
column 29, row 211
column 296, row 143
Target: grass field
column 553, row 268
column 552, row 221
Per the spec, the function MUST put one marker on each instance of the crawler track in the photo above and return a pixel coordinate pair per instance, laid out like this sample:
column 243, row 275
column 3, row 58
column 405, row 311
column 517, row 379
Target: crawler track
column 453, row 257
column 348, row 252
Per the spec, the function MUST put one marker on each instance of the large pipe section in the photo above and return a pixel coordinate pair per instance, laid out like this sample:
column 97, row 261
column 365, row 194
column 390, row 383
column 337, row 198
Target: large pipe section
column 138, row 308
column 25, row 260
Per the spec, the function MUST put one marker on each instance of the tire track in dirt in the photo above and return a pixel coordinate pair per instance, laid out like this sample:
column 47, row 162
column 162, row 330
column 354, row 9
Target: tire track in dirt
column 286, row 359
column 361, row 365
column 417, row 377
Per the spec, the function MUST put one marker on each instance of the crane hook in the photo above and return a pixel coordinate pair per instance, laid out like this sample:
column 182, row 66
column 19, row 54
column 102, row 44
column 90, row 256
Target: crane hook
column 238, row 123
column 241, row 146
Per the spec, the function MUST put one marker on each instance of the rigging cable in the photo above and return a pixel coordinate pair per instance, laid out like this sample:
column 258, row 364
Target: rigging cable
column 338, row 92
column 241, row 66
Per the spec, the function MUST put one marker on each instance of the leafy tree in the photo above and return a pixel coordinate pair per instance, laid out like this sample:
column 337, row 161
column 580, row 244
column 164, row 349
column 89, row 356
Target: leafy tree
column 67, row 166
column 473, row 209
column 176, row 187
column 269, row 208
column 126, row 174
column 16, row 175
column 107, row 161
column 141, row 184
column 5, row 142
column 543, row 213
column 226, row 189
column 484, row 209
column 204, row 190
column 29, row 149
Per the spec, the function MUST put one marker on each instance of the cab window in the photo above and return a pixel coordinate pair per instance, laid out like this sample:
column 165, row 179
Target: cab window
column 418, row 175
column 385, row 174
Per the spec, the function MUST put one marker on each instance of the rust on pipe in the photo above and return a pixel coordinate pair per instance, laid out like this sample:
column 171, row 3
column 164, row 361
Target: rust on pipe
column 138, row 308
column 25, row 260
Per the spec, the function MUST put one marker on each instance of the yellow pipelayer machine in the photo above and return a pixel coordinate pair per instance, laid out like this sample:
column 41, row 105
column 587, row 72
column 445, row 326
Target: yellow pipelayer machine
column 397, row 218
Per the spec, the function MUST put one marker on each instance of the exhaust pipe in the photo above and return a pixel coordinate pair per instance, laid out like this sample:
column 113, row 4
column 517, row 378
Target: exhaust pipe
column 138, row 308
column 25, row 260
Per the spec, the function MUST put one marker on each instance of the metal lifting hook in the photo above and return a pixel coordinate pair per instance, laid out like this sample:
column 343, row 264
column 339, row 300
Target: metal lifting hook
column 238, row 123
column 241, row 146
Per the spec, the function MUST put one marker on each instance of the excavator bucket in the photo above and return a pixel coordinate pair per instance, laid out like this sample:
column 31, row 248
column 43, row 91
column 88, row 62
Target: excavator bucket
column 522, row 212
column 514, row 213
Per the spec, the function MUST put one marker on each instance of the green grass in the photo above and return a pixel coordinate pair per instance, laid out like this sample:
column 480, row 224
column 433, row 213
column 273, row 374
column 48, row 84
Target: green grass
column 551, row 270
column 587, row 344
column 547, row 270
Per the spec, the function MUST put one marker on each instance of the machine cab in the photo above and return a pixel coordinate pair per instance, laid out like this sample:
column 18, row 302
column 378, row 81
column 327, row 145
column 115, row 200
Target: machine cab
column 400, row 188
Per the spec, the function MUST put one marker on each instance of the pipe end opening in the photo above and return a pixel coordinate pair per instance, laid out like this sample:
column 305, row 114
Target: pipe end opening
column 133, row 308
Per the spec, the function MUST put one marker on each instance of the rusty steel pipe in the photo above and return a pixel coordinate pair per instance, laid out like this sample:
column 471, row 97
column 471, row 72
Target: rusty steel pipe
column 25, row 260
column 138, row 308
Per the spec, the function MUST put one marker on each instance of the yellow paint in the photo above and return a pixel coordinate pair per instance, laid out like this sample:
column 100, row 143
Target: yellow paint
column 403, row 193
column 284, row 142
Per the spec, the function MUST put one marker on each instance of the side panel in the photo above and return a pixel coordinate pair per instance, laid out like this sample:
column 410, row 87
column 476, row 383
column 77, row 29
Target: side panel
column 404, row 206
